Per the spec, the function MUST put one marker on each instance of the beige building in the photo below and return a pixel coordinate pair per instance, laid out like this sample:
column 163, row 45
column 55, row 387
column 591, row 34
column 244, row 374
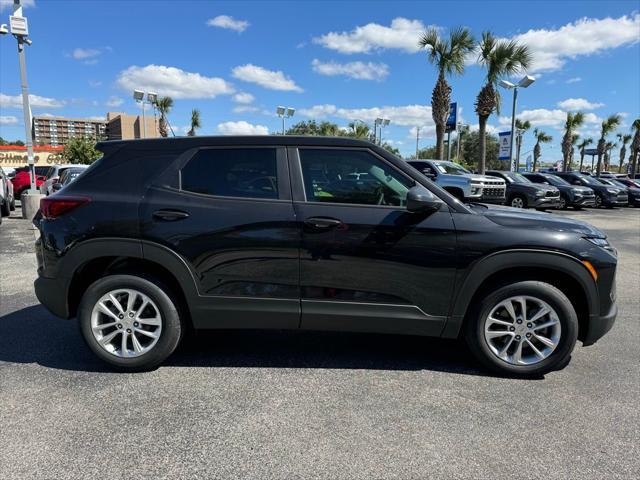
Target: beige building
column 57, row 131
column 121, row 126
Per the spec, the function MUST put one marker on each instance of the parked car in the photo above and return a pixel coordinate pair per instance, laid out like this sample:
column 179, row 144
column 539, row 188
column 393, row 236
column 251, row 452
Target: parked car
column 7, row 198
column 633, row 193
column 522, row 193
column 570, row 195
column 629, row 182
column 273, row 232
column 22, row 179
column 68, row 176
column 606, row 195
column 460, row 182
column 53, row 177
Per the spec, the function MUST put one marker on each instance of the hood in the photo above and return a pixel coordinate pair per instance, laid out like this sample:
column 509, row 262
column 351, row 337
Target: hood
column 583, row 190
column 486, row 179
column 532, row 219
column 540, row 186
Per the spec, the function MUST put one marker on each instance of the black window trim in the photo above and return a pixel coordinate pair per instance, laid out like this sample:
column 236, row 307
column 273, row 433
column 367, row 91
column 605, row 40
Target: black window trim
column 282, row 172
column 299, row 193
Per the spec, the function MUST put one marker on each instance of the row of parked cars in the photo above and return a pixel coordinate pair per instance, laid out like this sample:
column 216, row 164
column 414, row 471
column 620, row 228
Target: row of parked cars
column 540, row 190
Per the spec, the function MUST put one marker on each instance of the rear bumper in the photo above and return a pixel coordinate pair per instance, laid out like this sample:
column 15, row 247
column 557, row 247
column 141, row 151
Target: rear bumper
column 52, row 293
column 599, row 325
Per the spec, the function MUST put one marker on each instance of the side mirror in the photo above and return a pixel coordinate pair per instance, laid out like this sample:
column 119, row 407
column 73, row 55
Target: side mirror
column 419, row 199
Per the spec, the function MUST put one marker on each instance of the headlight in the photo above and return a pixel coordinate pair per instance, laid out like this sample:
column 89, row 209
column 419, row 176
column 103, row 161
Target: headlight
column 539, row 193
column 612, row 190
column 600, row 242
column 575, row 191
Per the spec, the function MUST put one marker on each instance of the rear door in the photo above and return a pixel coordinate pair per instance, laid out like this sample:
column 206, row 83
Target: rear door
column 227, row 212
column 366, row 263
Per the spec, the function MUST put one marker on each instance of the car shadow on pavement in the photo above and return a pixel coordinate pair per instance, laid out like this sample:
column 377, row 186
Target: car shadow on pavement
column 33, row 335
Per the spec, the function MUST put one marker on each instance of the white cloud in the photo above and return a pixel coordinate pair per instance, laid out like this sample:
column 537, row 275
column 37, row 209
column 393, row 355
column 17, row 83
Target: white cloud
column 230, row 23
column 243, row 97
column 15, row 101
column 549, row 118
column 242, row 128
column 9, row 4
column 85, row 53
column 244, row 109
column 573, row 80
column 587, row 36
column 406, row 115
column 357, row 70
column 402, row 34
column 8, row 120
column 114, row 101
column 490, row 129
column 274, row 80
column 173, row 82
column 573, row 104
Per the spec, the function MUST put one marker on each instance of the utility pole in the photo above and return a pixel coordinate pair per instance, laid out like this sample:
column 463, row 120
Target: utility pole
column 417, row 141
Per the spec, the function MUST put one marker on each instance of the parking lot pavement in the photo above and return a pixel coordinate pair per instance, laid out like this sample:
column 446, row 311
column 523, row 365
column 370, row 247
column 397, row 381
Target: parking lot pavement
column 274, row 405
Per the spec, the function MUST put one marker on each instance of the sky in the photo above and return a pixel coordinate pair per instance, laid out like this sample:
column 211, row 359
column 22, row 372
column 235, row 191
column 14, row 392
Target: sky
column 337, row 61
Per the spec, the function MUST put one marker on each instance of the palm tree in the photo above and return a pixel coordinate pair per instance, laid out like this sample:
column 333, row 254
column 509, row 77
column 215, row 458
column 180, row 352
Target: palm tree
column 521, row 129
column 574, row 121
column 574, row 140
column 583, row 145
column 541, row 137
column 608, row 126
column 624, row 139
column 328, row 129
column 195, row 122
column 635, row 146
column 607, row 154
column 164, row 105
column 448, row 55
column 501, row 58
column 359, row 130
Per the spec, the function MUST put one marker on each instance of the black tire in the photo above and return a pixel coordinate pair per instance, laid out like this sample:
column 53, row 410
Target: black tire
column 474, row 329
column 599, row 201
column 12, row 205
column 172, row 327
column 519, row 198
column 563, row 203
column 4, row 209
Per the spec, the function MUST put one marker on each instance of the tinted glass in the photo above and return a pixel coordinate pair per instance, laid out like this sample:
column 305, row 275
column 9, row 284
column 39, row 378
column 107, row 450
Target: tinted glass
column 452, row 168
column 423, row 167
column 39, row 170
column 351, row 176
column 557, row 181
column 234, row 172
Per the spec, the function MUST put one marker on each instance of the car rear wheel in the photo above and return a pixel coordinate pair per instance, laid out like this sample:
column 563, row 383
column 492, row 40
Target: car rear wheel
column 526, row 329
column 598, row 201
column 518, row 202
column 130, row 322
column 563, row 203
column 5, row 211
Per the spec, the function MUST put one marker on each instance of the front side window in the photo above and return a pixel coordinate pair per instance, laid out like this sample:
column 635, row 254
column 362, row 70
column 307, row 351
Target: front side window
column 352, row 177
column 233, row 172
column 451, row 168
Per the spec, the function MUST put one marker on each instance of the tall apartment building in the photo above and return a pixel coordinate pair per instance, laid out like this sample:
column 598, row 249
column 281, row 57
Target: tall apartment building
column 57, row 131
column 121, row 126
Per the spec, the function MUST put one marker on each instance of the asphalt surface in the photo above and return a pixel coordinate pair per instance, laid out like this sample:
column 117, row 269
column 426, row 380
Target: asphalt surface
column 310, row 405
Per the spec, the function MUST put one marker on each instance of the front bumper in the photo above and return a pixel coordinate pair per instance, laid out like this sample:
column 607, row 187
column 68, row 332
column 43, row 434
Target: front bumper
column 544, row 202
column 583, row 201
column 599, row 325
column 617, row 200
column 52, row 293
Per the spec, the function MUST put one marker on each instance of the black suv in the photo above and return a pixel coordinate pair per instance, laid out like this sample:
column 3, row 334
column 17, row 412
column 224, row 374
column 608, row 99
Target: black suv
column 570, row 195
column 606, row 195
column 313, row 233
column 522, row 193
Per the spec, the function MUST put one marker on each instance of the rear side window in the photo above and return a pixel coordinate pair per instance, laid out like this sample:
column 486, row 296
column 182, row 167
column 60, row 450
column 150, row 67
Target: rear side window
column 233, row 172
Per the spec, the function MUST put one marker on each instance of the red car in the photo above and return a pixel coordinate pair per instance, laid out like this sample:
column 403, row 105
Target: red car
column 22, row 181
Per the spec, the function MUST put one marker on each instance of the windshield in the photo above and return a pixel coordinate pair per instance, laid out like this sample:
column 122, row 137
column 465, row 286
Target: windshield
column 617, row 183
column 516, row 177
column 452, row 168
column 590, row 180
column 553, row 180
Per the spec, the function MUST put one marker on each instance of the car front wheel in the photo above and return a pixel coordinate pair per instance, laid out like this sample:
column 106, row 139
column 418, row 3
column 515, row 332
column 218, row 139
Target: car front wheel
column 518, row 202
column 526, row 329
column 130, row 322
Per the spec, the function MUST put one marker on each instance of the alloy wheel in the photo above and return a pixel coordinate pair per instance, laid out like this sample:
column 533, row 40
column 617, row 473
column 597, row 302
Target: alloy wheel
column 522, row 330
column 126, row 323
column 563, row 203
column 517, row 202
column 598, row 201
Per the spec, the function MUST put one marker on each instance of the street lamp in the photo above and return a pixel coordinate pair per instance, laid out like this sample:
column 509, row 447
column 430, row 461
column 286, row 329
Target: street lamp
column 523, row 83
column 152, row 99
column 285, row 112
column 381, row 122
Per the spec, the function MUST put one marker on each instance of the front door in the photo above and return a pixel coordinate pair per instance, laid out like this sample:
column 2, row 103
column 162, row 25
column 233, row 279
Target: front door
column 366, row 263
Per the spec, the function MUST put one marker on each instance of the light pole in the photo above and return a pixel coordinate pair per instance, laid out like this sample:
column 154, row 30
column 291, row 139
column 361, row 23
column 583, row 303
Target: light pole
column 523, row 83
column 152, row 99
column 381, row 122
column 285, row 112
column 417, row 141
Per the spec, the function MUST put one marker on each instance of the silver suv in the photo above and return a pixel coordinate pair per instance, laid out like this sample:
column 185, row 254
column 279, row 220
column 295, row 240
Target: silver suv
column 461, row 183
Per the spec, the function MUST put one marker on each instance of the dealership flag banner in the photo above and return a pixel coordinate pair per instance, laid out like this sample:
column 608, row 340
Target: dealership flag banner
column 505, row 146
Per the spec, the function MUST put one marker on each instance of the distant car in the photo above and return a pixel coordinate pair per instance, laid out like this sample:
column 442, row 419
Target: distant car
column 460, row 182
column 570, row 195
column 22, row 180
column 522, row 193
column 7, row 199
column 68, row 176
column 606, row 195
column 629, row 182
column 53, row 176
column 633, row 192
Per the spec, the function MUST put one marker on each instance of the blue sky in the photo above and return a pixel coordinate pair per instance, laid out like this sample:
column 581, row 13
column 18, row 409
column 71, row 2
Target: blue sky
column 236, row 61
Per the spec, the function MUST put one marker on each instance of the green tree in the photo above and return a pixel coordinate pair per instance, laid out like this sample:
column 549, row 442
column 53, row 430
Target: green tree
column 607, row 127
column 195, row 122
column 308, row 127
column 582, row 147
column 624, row 139
column 164, row 106
column 541, row 137
column 81, row 150
column 574, row 140
column 573, row 122
column 500, row 58
column 448, row 55
column 471, row 150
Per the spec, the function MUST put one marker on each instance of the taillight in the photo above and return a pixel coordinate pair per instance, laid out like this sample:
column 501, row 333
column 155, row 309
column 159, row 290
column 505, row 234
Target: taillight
column 55, row 206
